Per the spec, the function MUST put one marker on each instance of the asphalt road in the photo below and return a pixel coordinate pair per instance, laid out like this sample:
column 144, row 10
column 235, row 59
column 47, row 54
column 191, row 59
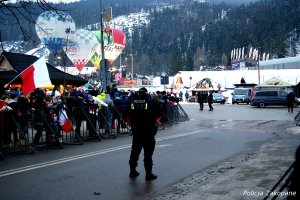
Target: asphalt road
column 99, row 170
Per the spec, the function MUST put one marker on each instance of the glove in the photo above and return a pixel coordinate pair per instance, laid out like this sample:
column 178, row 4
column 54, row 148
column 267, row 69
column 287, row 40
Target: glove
column 157, row 121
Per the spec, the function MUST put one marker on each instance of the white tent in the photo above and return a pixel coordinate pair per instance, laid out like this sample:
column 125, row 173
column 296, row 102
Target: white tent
column 273, row 83
column 206, row 84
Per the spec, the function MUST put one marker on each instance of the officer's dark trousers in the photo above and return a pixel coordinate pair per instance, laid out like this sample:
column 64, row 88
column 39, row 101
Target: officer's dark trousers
column 210, row 106
column 142, row 139
column 201, row 105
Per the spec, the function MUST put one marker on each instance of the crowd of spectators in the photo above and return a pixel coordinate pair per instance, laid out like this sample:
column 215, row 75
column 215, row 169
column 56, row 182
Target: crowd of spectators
column 100, row 109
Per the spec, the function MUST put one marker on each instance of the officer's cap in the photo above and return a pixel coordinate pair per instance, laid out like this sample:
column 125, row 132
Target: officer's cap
column 143, row 90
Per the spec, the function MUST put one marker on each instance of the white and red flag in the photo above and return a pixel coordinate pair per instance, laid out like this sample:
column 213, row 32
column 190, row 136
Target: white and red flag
column 35, row 76
column 64, row 122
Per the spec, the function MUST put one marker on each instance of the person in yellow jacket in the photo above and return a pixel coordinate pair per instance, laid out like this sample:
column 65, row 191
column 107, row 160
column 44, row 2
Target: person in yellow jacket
column 101, row 96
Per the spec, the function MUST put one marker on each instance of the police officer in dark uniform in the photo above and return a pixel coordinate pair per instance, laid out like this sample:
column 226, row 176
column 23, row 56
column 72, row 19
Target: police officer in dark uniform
column 210, row 101
column 200, row 96
column 143, row 113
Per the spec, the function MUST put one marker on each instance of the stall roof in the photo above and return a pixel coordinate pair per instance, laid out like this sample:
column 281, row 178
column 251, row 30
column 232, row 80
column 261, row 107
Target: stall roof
column 274, row 82
column 19, row 62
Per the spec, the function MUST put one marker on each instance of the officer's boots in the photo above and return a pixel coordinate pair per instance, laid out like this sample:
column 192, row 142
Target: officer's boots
column 133, row 173
column 150, row 176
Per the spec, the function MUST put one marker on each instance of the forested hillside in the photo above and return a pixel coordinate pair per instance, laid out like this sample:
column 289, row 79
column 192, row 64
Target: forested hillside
column 199, row 34
column 188, row 34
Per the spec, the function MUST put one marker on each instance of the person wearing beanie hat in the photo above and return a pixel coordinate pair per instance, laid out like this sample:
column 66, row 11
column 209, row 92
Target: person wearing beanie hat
column 117, row 94
column 57, row 97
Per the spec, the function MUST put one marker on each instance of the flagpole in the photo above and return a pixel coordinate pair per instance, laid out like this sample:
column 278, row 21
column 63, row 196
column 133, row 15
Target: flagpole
column 64, row 63
column 6, row 85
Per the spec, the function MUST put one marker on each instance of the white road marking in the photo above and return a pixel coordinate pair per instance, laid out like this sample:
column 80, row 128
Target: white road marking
column 86, row 155
column 163, row 145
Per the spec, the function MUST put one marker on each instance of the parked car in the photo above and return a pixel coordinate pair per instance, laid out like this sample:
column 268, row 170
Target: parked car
column 264, row 98
column 241, row 95
column 218, row 98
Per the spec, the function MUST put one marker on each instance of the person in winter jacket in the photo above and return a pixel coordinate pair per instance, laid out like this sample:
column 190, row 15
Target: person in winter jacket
column 108, row 113
column 210, row 101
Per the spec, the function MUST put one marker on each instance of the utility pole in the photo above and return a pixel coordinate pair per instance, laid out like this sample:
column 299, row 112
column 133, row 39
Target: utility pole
column 258, row 68
column 104, row 73
column 131, row 66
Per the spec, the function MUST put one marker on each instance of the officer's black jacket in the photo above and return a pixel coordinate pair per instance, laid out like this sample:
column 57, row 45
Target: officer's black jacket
column 143, row 111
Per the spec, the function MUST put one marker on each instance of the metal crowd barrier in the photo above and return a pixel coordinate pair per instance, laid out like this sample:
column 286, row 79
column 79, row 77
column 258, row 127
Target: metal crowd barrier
column 297, row 119
column 182, row 115
column 10, row 125
column 94, row 122
column 281, row 184
column 172, row 114
column 89, row 123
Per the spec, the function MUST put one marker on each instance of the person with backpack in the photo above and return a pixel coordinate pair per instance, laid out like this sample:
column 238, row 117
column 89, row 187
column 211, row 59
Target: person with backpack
column 143, row 114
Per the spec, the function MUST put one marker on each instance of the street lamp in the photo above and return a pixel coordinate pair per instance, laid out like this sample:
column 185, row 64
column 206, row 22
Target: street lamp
column 131, row 66
column 258, row 69
column 254, row 59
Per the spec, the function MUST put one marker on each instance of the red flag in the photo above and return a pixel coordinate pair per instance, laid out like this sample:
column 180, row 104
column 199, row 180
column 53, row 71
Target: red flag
column 35, row 76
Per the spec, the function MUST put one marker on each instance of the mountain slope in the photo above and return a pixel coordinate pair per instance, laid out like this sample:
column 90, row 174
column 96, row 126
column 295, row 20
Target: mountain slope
column 194, row 34
column 177, row 35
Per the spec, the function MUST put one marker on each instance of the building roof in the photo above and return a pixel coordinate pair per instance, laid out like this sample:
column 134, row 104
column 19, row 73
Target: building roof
column 274, row 82
column 295, row 59
column 20, row 62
